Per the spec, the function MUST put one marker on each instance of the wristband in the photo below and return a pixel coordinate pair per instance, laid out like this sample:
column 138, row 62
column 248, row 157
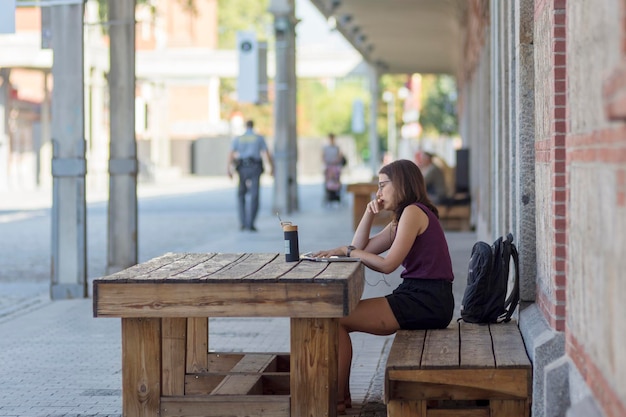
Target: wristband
column 349, row 251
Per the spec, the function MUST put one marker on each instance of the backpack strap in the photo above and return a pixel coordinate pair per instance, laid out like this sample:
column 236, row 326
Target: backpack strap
column 513, row 299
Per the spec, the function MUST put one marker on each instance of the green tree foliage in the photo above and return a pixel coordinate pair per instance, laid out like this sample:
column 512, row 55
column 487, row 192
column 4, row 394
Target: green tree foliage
column 322, row 110
column 103, row 8
column 262, row 114
column 439, row 109
column 236, row 15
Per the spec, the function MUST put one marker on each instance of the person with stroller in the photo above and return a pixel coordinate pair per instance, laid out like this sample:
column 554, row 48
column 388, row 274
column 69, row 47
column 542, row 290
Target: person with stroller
column 334, row 161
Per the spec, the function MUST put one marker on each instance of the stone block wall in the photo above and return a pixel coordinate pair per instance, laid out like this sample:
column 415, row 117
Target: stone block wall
column 550, row 92
column 596, row 167
column 573, row 326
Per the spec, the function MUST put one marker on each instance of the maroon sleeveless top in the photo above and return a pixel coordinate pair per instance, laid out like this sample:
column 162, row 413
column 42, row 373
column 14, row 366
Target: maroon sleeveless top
column 429, row 257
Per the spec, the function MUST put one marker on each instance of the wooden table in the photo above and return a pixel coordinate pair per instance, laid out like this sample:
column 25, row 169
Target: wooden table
column 165, row 303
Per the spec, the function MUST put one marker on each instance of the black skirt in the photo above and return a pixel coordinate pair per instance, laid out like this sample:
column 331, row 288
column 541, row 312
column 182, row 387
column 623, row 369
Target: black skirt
column 422, row 303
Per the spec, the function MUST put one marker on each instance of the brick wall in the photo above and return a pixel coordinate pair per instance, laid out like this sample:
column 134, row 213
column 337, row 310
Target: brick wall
column 477, row 21
column 596, row 214
column 580, row 188
column 550, row 122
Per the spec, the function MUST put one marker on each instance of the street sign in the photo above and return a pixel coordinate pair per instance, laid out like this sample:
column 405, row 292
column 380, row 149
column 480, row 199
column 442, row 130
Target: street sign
column 252, row 78
column 7, row 16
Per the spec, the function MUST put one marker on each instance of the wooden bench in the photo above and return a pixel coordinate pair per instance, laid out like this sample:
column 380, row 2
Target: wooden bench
column 455, row 216
column 467, row 370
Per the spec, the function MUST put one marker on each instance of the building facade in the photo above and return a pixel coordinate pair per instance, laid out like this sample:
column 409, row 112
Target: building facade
column 542, row 111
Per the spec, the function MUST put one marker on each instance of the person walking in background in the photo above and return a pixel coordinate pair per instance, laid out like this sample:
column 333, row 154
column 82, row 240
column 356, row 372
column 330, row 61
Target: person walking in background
column 333, row 160
column 414, row 239
column 246, row 156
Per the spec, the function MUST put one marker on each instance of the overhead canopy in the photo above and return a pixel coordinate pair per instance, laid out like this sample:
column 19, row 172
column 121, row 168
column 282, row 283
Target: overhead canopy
column 402, row 36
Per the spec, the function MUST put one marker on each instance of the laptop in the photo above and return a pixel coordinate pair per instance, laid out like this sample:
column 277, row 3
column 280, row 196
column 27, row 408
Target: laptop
column 309, row 257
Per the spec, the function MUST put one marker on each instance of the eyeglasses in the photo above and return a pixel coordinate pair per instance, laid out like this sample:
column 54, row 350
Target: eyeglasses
column 381, row 184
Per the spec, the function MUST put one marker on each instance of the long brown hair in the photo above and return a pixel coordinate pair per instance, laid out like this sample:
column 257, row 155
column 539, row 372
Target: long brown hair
column 408, row 184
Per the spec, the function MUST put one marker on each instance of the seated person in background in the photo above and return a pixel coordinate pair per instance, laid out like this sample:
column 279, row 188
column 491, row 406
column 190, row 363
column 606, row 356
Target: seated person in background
column 433, row 176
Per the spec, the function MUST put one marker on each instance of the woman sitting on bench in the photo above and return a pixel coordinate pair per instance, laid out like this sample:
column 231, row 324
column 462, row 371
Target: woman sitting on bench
column 414, row 239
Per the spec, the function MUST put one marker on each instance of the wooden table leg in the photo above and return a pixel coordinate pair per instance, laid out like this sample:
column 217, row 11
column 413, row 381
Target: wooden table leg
column 174, row 335
column 512, row 408
column 313, row 373
column 141, row 367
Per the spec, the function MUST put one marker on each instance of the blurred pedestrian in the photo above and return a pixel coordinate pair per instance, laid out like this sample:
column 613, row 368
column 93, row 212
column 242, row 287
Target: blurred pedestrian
column 333, row 160
column 246, row 156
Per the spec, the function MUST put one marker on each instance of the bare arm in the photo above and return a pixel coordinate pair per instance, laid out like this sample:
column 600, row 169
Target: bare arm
column 361, row 240
column 412, row 223
column 270, row 161
column 377, row 243
column 398, row 239
column 231, row 162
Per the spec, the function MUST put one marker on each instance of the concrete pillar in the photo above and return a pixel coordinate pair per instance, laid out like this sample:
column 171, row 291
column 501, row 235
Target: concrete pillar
column 160, row 154
column 98, row 150
column 524, row 203
column 500, row 123
column 122, row 225
column 97, row 135
column 45, row 151
column 4, row 127
column 509, row 158
column 481, row 171
column 496, row 115
column 374, row 142
column 69, row 252
column 214, row 102
column 389, row 97
column 285, row 145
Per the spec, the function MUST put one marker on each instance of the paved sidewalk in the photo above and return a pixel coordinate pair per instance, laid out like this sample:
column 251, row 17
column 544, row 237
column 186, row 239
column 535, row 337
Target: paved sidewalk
column 57, row 360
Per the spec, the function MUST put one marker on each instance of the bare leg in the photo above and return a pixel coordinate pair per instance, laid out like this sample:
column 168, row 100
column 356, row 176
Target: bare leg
column 345, row 361
column 372, row 316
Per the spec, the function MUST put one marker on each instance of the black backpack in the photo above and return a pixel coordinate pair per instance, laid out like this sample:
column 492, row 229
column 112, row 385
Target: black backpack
column 485, row 299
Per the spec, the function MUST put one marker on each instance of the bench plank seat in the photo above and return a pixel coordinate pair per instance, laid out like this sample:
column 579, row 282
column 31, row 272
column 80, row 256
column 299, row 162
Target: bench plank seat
column 469, row 368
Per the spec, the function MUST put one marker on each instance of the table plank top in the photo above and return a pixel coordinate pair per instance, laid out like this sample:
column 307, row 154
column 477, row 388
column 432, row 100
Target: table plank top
column 229, row 284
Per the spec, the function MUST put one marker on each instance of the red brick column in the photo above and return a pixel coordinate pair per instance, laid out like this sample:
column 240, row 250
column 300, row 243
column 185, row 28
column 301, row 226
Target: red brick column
column 551, row 150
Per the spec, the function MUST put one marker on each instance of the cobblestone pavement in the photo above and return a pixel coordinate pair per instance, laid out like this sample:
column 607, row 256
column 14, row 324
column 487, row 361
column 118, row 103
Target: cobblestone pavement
column 57, row 360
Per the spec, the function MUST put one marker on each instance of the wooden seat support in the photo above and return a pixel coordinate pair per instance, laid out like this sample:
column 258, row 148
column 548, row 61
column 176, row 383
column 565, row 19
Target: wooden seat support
column 466, row 369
